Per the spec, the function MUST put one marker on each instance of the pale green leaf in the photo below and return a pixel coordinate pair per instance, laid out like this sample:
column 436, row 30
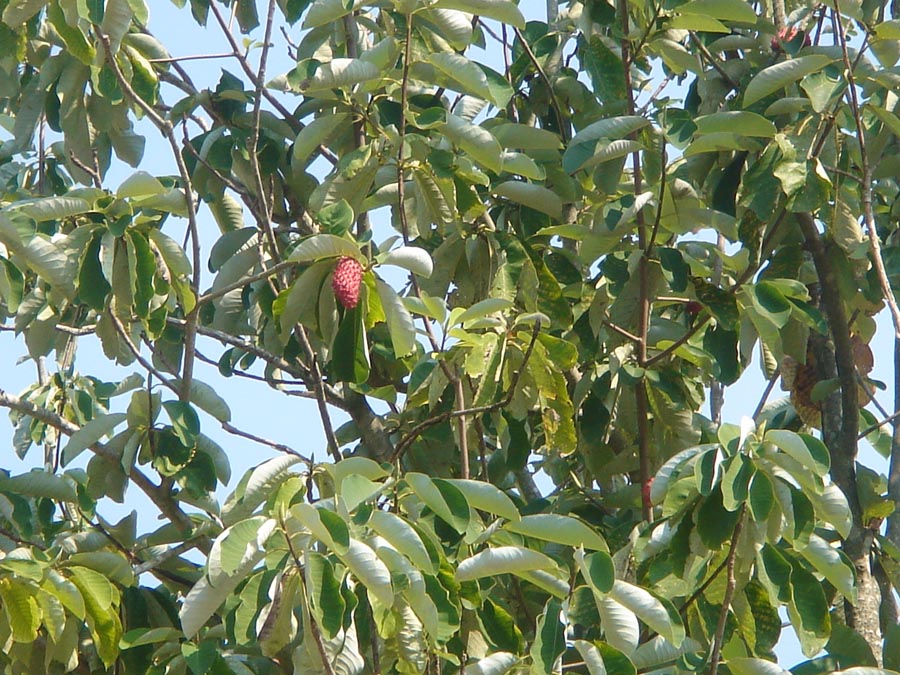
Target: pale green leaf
column 139, row 184
column 746, row 666
column 480, row 310
column 90, row 434
column 41, row 484
column 504, row 11
column 743, row 122
column 487, row 497
column 18, row 12
column 559, row 529
column 416, row 260
column 370, row 571
column 502, row 560
column 533, row 196
column 477, row 142
column 650, row 610
column 399, row 320
column 832, row 565
column 497, row 663
column 777, row 77
column 325, row 246
column 401, row 535
column 316, row 133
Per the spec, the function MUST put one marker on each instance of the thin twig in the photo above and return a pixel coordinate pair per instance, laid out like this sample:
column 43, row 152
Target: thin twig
column 245, row 281
column 730, row 584
column 192, row 57
column 280, row 447
column 563, row 132
column 713, row 61
column 765, row 395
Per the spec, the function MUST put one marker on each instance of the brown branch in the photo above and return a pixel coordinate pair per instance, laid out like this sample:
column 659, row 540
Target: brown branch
column 866, row 184
column 730, row 584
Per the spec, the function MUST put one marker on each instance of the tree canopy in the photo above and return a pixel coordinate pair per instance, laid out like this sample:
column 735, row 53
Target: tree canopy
column 525, row 260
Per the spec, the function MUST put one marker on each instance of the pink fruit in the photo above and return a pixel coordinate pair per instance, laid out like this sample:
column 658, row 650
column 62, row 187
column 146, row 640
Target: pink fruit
column 345, row 282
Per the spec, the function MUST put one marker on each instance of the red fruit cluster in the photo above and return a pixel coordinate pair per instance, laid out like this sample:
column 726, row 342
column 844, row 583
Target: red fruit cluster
column 345, row 282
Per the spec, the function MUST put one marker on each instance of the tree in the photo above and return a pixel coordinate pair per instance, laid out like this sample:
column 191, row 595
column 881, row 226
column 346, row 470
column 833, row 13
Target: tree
column 592, row 229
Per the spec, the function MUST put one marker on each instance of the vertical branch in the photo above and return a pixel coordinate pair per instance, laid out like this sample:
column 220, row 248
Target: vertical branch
column 404, row 102
column 730, row 584
column 462, row 429
column 359, row 134
column 866, row 181
column 642, row 402
column 893, row 524
column 264, row 218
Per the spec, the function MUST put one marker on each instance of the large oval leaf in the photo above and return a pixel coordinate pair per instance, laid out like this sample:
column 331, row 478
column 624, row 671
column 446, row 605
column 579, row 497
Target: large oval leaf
column 559, row 529
column 777, row 77
column 502, row 560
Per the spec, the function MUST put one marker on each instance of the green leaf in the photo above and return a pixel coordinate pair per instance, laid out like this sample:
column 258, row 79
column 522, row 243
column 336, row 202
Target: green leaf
column 597, row 569
column 325, row 600
column 401, row 535
column 738, row 471
column 325, row 246
column 350, row 355
column 502, row 560
column 369, row 571
column 761, row 496
column 533, row 196
column 90, row 434
column 486, row 497
column 399, row 320
column 549, row 640
column 777, row 77
column 660, row 615
column 726, row 10
column 504, row 11
column 581, row 147
column 184, row 420
column 565, row 530
column 416, row 260
column 740, row 121
column 524, row 137
column 39, row 483
column 469, row 78
column 475, row 141
column 601, row 658
column 806, row 449
column 498, row 663
column 18, row 12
